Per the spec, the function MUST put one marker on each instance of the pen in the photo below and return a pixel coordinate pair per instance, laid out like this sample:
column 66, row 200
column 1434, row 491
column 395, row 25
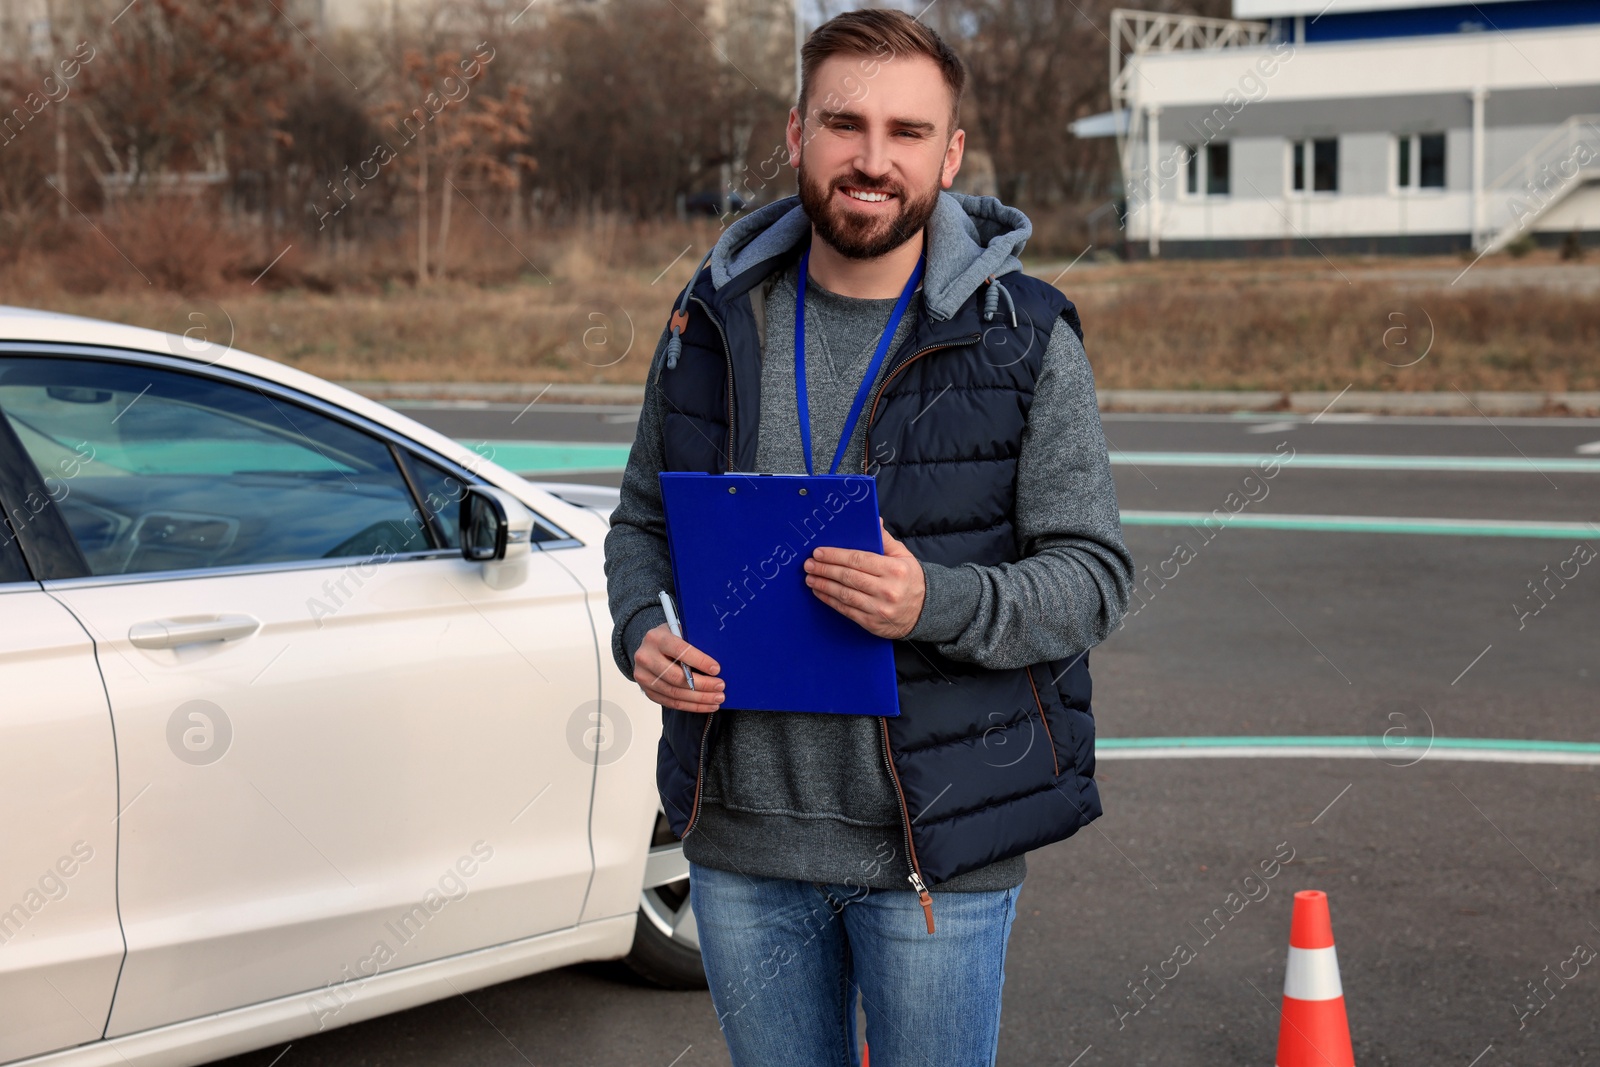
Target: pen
column 677, row 631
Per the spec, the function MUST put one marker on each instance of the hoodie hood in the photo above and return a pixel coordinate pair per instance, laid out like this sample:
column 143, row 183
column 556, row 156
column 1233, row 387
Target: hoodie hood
column 969, row 238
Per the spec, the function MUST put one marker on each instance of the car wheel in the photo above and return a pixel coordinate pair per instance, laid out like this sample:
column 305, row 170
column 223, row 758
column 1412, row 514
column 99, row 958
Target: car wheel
column 666, row 945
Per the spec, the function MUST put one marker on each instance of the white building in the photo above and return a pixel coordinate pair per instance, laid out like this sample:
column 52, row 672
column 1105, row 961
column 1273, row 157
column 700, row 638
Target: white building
column 1414, row 126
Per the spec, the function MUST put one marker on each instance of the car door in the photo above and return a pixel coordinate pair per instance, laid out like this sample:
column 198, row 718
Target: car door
column 60, row 945
column 342, row 751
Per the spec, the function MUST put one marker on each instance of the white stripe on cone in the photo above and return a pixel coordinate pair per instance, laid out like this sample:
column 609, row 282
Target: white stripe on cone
column 1313, row 974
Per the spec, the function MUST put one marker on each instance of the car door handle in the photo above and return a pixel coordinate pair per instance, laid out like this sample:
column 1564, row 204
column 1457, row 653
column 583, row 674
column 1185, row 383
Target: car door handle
column 191, row 629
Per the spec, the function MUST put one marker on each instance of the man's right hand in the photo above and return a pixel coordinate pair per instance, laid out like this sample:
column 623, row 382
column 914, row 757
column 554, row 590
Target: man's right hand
column 656, row 669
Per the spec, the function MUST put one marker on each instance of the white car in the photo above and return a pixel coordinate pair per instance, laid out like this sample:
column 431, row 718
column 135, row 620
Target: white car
column 280, row 748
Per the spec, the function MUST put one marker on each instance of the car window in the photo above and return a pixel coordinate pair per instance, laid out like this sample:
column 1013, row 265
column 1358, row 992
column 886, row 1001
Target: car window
column 12, row 568
column 158, row 470
column 441, row 497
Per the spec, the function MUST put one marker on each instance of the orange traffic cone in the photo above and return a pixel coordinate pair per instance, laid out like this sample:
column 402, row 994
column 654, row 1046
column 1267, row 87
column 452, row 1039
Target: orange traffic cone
column 1314, row 1031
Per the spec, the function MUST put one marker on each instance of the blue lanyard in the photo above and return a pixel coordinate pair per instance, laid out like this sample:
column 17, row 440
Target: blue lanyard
column 866, row 381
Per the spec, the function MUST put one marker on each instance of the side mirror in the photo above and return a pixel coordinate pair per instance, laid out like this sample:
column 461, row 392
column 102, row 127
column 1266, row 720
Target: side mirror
column 494, row 525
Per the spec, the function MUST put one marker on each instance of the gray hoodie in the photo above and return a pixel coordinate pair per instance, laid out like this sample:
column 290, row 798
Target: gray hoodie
column 796, row 795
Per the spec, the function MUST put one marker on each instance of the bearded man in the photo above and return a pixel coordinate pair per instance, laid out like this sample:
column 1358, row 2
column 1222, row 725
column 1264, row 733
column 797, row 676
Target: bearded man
column 842, row 856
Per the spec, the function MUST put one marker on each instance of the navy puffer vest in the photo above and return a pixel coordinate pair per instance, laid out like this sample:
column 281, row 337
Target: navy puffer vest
column 987, row 763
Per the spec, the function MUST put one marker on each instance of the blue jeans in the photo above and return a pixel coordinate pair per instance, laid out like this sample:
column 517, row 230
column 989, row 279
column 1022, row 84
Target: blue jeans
column 786, row 959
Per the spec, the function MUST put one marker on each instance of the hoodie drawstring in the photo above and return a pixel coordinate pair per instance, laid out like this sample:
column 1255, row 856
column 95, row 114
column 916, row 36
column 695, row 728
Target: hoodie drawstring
column 991, row 301
column 680, row 316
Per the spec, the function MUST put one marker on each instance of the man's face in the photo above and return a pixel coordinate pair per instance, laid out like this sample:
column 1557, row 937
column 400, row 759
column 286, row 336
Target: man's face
column 875, row 150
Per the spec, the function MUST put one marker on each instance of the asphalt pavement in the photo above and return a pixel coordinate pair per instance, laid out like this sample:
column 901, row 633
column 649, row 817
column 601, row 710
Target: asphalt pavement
column 1452, row 813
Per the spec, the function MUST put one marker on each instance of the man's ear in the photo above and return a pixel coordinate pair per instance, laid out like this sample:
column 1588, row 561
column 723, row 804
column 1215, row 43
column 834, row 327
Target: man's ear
column 793, row 135
column 952, row 159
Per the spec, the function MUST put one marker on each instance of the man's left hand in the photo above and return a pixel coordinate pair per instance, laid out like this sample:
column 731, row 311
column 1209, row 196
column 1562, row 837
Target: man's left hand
column 883, row 593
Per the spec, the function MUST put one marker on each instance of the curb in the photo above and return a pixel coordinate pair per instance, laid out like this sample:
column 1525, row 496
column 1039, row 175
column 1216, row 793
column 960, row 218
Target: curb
column 1121, row 400
column 1349, row 401
column 505, row 392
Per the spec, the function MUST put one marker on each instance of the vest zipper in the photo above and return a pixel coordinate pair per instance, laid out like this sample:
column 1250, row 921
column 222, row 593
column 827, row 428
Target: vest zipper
column 699, row 775
column 915, row 877
column 700, row 768
column 877, row 390
column 1045, row 722
column 727, row 352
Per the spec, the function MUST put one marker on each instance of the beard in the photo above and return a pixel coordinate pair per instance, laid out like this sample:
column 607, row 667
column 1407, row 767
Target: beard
column 859, row 235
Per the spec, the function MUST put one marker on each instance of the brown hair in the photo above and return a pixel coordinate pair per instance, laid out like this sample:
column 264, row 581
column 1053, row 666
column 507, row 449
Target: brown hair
column 880, row 34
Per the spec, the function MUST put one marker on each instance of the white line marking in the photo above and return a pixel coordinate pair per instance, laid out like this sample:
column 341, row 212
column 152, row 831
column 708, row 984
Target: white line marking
column 1271, row 427
column 1349, row 416
column 1365, row 461
column 1502, row 433
column 1363, row 524
column 1455, row 755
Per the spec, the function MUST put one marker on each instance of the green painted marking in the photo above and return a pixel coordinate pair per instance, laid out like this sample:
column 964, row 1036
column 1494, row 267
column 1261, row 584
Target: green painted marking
column 590, row 455
column 556, row 457
column 1364, row 524
column 547, row 457
column 1589, row 748
column 1333, row 461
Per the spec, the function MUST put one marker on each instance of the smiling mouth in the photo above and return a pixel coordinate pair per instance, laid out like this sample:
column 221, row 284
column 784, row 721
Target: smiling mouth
column 866, row 196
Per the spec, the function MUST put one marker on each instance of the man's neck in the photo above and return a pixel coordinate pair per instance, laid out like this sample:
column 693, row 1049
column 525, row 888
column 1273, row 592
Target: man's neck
column 872, row 279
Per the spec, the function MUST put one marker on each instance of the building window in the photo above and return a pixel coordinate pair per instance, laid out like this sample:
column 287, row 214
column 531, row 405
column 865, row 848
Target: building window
column 1217, row 169
column 1420, row 161
column 1211, row 160
column 1317, row 162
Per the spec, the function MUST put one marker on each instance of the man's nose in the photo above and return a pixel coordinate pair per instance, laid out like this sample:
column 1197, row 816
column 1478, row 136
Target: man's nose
column 873, row 159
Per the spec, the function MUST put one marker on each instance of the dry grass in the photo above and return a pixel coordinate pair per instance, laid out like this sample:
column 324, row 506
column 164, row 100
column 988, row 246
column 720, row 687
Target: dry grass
column 1371, row 324
column 586, row 303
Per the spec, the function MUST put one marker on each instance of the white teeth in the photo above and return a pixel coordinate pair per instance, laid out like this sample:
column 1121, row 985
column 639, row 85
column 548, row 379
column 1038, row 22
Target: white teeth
column 871, row 198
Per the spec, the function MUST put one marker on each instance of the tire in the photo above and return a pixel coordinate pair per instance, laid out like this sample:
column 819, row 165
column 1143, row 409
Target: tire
column 666, row 945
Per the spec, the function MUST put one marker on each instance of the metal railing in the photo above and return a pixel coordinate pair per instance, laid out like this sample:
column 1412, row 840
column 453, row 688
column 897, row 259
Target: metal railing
column 1140, row 33
column 1137, row 33
column 1546, row 174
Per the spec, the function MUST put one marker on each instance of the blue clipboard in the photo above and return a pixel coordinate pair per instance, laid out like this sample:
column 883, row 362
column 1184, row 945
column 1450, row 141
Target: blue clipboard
column 738, row 544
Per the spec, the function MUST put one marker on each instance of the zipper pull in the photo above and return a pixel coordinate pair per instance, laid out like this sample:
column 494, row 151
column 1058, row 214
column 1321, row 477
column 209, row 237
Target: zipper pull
column 678, row 323
column 924, row 897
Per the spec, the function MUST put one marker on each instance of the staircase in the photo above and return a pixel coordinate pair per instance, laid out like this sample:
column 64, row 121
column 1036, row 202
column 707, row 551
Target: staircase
column 1565, row 160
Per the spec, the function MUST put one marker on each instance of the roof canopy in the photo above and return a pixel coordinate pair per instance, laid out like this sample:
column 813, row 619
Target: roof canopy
column 1267, row 9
